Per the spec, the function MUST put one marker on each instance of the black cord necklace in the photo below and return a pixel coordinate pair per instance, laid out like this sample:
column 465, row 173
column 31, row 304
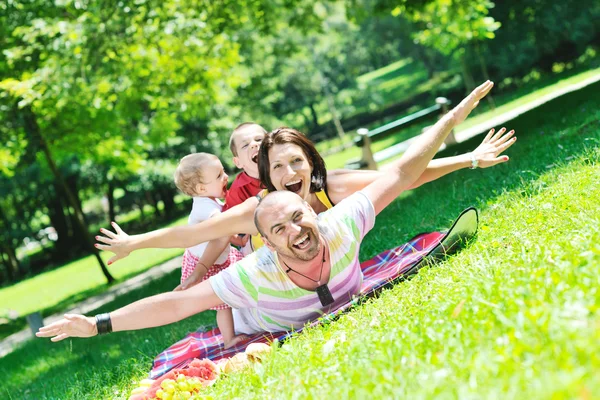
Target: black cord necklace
column 323, row 291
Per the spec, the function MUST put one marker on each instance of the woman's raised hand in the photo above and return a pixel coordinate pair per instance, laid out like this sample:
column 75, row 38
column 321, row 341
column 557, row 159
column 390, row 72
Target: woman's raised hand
column 488, row 152
column 117, row 242
column 72, row 325
column 464, row 108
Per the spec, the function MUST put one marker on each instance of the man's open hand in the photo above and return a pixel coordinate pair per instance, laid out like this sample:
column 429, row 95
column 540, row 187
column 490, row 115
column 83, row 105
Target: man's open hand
column 72, row 325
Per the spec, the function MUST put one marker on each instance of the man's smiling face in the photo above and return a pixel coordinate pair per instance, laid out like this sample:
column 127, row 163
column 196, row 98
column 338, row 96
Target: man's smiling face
column 289, row 226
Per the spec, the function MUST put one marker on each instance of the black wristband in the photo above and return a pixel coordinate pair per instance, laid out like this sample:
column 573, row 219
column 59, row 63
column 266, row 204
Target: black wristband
column 103, row 323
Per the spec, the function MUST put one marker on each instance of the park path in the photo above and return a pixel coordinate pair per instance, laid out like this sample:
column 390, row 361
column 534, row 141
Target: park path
column 88, row 305
column 10, row 343
column 494, row 122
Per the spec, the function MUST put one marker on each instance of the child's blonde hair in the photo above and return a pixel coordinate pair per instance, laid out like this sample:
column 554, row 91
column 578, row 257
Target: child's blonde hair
column 189, row 171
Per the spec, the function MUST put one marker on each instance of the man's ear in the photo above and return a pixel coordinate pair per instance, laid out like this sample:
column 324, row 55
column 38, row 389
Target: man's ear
column 307, row 205
column 237, row 162
column 267, row 243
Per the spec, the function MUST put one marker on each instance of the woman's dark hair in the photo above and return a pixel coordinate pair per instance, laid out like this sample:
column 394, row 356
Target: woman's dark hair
column 288, row 135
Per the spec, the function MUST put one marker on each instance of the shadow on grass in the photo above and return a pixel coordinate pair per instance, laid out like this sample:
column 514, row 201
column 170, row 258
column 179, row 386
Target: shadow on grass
column 551, row 135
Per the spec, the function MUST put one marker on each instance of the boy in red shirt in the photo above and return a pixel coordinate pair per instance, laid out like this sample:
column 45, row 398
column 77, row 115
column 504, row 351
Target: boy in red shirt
column 244, row 143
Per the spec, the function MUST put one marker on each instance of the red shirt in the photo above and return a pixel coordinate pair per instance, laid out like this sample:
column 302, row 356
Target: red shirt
column 243, row 187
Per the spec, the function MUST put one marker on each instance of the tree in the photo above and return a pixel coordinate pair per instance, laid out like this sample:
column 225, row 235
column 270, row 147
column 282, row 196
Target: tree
column 452, row 27
column 108, row 82
column 541, row 33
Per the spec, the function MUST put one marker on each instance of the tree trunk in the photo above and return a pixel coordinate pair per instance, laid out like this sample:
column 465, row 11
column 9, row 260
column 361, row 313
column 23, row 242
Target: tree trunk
column 33, row 129
column 80, row 238
column 58, row 220
column 467, row 78
column 485, row 73
column 334, row 113
column 110, row 195
column 315, row 117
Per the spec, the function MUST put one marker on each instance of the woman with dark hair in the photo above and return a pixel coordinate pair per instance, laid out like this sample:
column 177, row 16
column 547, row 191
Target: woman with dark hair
column 287, row 160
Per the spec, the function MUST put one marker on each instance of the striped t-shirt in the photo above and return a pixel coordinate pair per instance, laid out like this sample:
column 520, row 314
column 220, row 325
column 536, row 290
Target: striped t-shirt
column 264, row 298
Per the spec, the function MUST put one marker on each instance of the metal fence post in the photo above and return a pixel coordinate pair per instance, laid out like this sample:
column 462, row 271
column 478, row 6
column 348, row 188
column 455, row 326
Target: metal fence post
column 444, row 103
column 35, row 322
column 367, row 155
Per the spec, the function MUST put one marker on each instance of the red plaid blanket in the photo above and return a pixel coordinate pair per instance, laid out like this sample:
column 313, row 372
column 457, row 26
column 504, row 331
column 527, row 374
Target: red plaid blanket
column 378, row 272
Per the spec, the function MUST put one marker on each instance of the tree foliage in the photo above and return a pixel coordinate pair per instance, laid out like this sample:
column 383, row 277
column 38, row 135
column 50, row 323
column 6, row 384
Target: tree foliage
column 102, row 98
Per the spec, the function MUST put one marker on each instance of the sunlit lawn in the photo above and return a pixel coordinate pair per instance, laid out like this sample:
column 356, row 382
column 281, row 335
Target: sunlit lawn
column 515, row 315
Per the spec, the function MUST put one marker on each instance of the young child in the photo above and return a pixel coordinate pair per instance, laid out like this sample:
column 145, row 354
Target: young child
column 201, row 175
column 244, row 143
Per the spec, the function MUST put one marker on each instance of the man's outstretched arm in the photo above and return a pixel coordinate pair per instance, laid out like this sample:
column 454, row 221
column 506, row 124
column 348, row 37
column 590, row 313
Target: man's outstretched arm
column 158, row 310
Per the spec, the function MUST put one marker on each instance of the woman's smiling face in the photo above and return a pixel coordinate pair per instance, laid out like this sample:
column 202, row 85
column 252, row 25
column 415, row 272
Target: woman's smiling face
column 290, row 169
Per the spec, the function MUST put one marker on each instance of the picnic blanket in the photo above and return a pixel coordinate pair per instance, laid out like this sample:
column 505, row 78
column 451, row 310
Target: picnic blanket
column 382, row 270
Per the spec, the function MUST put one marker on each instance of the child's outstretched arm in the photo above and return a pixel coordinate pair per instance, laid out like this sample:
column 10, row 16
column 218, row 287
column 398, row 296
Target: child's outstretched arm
column 212, row 252
column 235, row 220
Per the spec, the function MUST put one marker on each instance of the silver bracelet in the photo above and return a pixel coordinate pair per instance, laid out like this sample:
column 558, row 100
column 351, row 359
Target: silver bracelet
column 474, row 162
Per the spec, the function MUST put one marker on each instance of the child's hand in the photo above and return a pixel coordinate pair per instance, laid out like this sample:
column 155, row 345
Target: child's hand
column 488, row 152
column 239, row 240
column 194, row 279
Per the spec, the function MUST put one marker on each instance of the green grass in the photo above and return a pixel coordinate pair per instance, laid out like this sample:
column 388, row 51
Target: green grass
column 515, row 315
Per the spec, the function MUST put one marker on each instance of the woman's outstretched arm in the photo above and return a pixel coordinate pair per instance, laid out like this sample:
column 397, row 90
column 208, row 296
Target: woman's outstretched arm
column 405, row 172
column 343, row 183
column 238, row 219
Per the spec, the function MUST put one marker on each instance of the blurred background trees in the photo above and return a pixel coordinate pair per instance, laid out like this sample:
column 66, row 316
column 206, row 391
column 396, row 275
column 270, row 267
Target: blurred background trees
column 98, row 100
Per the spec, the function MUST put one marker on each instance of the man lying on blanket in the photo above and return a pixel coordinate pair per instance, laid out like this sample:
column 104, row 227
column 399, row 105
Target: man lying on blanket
column 308, row 267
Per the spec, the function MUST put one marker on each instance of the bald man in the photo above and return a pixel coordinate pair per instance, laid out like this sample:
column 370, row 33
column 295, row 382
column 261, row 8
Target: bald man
column 308, row 266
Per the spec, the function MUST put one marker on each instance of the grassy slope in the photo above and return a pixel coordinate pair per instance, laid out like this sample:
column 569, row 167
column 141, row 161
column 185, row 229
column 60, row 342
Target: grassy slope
column 516, row 313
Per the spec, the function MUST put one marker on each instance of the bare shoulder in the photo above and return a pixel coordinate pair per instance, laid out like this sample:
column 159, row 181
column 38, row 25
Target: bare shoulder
column 344, row 183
